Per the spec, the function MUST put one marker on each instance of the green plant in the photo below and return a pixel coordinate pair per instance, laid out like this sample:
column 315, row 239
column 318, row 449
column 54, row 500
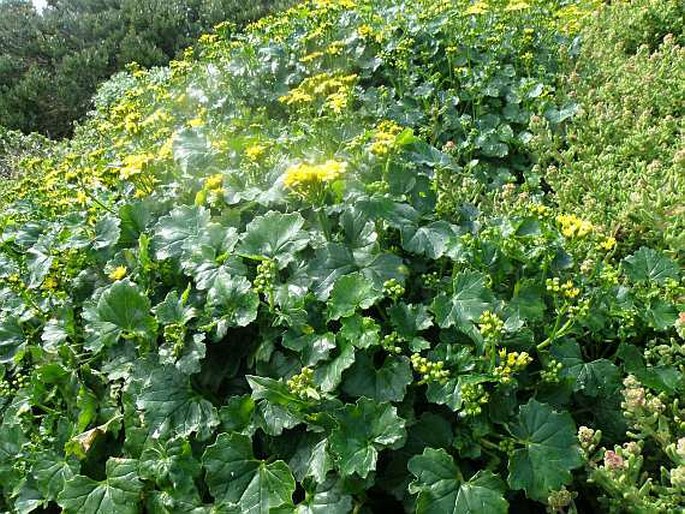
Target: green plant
column 620, row 161
column 249, row 284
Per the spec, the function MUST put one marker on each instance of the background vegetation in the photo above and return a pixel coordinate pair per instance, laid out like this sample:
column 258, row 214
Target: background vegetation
column 52, row 62
column 349, row 256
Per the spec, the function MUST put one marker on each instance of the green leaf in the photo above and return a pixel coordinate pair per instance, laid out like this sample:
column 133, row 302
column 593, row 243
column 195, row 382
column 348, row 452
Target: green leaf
column 273, row 391
column 360, row 331
column 174, row 309
column 134, row 217
column 468, row 301
column 597, row 378
column 431, row 240
column 119, row 493
column 648, row 265
column 363, row 430
column 445, row 393
column 662, row 378
column 205, row 261
column 312, row 458
column 442, row 490
column 51, row 473
column 659, row 314
column 326, row 498
column 409, row 320
column 121, row 311
column 172, row 408
column 238, row 415
column 275, row 235
column 236, row 477
column 527, row 301
column 38, row 262
column 179, row 230
column 329, row 374
column 312, row 348
column 193, row 152
column 189, row 358
column 27, row 498
column 360, row 233
column 106, row 232
column 12, row 339
column 232, row 299
column 549, row 453
column 350, row 293
column 170, row 463
column 388, row 383
column 55, row 332
column 329, row 263
column 397, row 215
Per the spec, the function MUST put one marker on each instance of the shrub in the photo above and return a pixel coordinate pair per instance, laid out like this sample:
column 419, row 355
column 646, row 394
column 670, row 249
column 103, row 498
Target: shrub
column 622, row 158
column 250, row 284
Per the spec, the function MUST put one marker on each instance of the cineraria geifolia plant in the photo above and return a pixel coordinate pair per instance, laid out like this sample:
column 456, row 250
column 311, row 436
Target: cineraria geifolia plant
column 270, row 302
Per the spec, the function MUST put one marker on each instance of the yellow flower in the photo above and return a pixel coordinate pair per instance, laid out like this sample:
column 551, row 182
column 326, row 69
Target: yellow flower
column 207, row 39
column 81, row 198
column 303, row 176
column 608, row 244
column 384, row 138
column 254, row 152
column 517, row 5
column 196, row 122
column 331, row 4
column 214, row 182
column 334, row 89
column 166, row 151
column 479, row 7
column 364, row 31
column 50, row 283
column 311, row 57
column 573, row 226
column 510, row 363
column 118, row 273
column 335, row 48
column 134, row 164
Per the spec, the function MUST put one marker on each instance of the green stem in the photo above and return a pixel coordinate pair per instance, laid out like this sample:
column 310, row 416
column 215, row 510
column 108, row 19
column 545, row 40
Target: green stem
column 489, row 444
column 556, row 332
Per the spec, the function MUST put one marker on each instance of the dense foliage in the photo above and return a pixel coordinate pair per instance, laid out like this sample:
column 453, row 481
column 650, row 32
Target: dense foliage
column 51, row 62
column 625, row 164
column 316, row 267
column 14, row 147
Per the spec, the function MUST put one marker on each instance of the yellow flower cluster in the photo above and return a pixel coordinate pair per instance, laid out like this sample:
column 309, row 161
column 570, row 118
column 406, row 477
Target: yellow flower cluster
column 384, row 138
column 335, row 48
column 517, row 5
column 430, row 371
column 254, row 152
column 490, row 325
column 303, row 177
column 134, row 164
column 608, row 244
column 574, row 227
column 118, row 273
column 478, row 7
column 311, row 57
column 335, row 90
column 539, row 210
column 214, row 182
column 570, row 18
column 332, row 4
column 365, row 31
column 510, row 363
column 303, row 386
column 567, row 289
